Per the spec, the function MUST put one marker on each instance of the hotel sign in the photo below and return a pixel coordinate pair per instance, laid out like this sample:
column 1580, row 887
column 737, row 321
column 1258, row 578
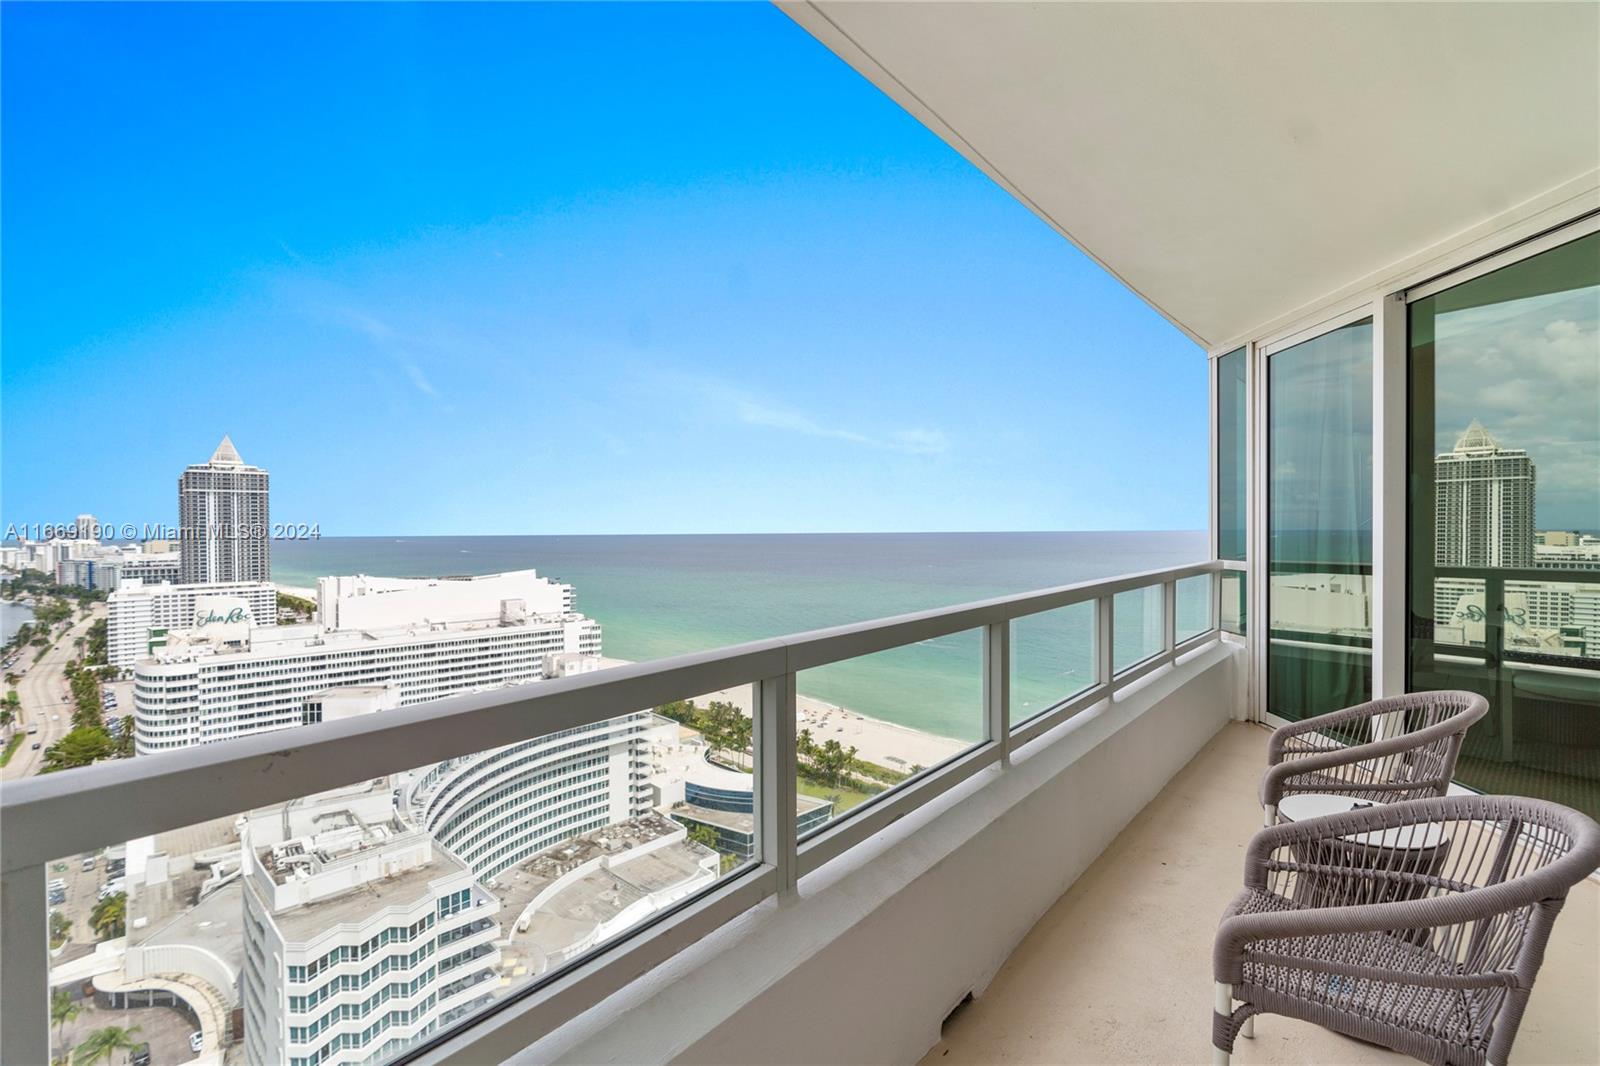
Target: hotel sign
column 222, row 618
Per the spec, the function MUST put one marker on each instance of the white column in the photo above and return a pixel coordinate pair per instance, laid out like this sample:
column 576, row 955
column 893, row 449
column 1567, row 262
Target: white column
column 1389, row 446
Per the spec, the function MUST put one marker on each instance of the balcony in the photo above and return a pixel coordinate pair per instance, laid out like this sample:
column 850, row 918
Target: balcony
column 1112, row 971
column 1041, row 880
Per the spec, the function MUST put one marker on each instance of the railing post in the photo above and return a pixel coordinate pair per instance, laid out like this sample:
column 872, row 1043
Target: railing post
column 1104, row 640
column 24, row 967
column 1494, row 652
column 1169, row 616
column 778, row 777
column 997, row 686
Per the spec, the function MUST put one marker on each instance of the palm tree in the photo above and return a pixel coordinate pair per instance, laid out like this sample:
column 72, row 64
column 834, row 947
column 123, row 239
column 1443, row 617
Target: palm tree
column 103, row 1043
column 62, row 1010
column 109, row 916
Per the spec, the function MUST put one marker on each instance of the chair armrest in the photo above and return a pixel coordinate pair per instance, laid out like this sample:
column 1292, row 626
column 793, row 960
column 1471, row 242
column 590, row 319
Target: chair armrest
column 1280, row 771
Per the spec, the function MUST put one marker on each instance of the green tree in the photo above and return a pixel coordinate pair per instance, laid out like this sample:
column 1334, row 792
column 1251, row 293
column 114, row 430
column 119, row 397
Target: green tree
column 60, row 926
column 833, row 762
column 704, row 834
column 80, row 747
column 62, row 1011
column 110, row 916
column 102, row 1044
column 740, row 731
column 297, row 606
column 96, row 643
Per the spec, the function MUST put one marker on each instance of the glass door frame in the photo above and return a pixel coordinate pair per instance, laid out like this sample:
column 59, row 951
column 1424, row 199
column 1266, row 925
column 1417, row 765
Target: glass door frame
column 1583, row 226
column 1260, row 483
column 1387, row 304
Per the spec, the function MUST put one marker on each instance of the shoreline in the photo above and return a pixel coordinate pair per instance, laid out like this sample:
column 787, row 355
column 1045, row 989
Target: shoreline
column 889, row 744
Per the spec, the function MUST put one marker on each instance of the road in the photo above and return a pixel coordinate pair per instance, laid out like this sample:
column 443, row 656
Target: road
column 46, row 701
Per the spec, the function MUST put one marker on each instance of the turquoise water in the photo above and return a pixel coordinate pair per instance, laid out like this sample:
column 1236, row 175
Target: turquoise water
column 12, row 618
column 665, row 595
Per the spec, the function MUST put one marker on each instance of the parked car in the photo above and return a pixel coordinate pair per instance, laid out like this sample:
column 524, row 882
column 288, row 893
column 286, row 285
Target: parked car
column 88, row 862
column 56, row 882
column 58, row 898
column 196, row 1041
column 141, row 1056
column 37, row 745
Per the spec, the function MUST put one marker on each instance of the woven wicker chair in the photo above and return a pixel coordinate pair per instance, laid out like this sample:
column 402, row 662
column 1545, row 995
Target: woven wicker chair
column 1398, row 748
column 1419, row 926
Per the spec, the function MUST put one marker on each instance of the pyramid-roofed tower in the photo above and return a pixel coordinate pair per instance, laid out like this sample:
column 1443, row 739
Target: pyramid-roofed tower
column 1475, row 439
column 227, row 455
column 224, row 520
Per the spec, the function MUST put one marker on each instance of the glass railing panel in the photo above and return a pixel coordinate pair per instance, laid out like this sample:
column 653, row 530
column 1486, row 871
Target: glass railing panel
column 1136, row 620
column 1235, row 600
column 366, row 918
column 1052, row 659
column 1193, row 607
column 868, row 725
column 1232, row 468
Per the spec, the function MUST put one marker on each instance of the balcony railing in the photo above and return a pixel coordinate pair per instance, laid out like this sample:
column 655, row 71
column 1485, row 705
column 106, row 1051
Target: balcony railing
column 45, row 818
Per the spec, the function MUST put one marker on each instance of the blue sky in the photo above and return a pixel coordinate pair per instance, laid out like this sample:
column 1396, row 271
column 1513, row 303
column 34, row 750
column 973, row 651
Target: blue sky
column 525, row 268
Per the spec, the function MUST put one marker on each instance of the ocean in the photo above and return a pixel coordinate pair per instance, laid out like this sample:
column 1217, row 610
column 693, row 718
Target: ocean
column 656, row 596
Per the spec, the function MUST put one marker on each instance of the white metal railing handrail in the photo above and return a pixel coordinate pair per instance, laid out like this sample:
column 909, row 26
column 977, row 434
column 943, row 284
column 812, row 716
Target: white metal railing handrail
column 45, row 818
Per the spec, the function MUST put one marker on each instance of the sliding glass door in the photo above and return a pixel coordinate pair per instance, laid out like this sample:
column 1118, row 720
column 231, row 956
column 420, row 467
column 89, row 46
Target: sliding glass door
column 1504, row 534
column 1319, row 523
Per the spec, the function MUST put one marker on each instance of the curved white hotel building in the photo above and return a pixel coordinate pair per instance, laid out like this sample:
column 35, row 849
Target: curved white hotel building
column 494, row 809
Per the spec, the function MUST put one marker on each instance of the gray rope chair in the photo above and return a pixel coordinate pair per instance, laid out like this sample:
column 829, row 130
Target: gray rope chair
column 1419, row 925
column 1397, row 748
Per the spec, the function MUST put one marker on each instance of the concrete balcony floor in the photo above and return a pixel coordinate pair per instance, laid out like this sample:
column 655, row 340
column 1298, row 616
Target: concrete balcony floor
column 1119, row 969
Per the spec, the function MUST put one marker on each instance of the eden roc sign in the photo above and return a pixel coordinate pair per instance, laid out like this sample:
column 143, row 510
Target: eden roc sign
column 222, row 617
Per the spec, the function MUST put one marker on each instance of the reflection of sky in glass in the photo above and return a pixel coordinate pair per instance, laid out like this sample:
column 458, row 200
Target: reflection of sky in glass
column 1529, row 370
column 1320, row 447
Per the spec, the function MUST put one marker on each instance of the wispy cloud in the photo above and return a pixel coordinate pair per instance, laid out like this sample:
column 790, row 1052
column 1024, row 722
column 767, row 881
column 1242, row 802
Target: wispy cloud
column 751, row 411
column 390, row 341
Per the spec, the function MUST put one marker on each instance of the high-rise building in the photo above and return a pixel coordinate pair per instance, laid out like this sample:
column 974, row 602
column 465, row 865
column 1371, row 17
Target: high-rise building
column 362, row 934
column 1483, row 514
column 86, row 529
column 223, row 517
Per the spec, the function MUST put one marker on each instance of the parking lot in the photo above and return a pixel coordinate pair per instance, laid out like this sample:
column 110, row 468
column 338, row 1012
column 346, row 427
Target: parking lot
column 165, row 1029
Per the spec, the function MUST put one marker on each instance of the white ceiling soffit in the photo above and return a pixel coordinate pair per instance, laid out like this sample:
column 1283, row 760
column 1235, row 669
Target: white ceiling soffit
column 1233, row 163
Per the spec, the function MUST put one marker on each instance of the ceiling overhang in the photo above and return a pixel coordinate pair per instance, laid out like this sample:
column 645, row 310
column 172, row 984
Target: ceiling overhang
column 1232, row 163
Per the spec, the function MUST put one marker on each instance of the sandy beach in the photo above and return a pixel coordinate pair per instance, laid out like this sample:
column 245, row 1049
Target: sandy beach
column 296, row 590
column 897, row 747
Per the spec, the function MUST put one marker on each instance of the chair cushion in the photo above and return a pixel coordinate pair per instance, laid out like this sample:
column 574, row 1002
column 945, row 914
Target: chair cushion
column 1450, row 1015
